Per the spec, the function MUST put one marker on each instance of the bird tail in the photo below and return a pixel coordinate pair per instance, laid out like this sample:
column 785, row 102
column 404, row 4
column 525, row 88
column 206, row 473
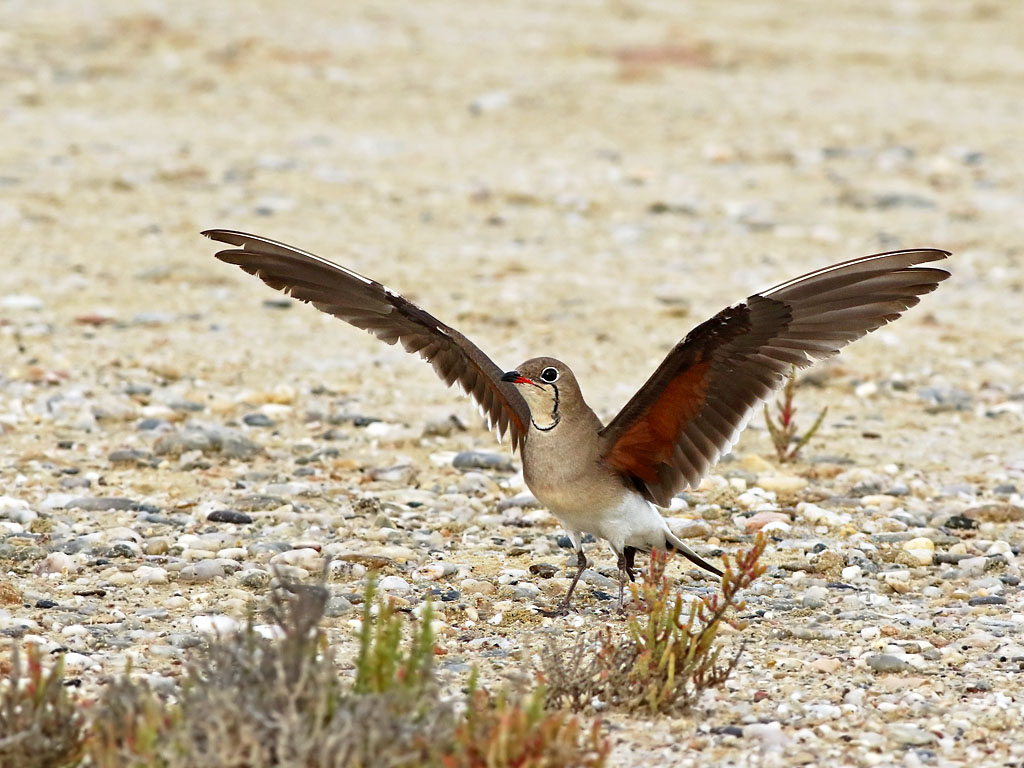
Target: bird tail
column 673, row 544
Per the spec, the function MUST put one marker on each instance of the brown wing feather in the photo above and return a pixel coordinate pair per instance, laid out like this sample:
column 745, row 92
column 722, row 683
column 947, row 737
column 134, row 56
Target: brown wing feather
column 692, row 409
column 367, row 304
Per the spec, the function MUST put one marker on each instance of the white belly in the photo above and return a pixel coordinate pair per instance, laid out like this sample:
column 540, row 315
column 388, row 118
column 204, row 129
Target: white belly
column 629, row 521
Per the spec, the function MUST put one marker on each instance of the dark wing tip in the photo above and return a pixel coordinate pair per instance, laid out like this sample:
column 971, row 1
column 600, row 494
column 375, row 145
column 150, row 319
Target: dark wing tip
column 229, row 236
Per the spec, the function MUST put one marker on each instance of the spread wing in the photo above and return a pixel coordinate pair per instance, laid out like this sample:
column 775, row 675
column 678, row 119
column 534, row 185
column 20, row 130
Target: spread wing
column 693, row 408
column 371, row 306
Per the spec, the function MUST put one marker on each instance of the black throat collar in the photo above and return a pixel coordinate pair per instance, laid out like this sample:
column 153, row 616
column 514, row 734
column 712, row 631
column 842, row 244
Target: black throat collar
column 555, row 416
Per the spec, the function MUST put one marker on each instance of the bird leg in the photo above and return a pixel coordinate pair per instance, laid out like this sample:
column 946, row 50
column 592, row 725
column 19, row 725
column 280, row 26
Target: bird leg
column 563, row 607
column 625, row 569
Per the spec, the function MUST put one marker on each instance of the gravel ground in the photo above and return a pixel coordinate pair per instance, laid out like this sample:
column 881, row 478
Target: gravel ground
column 585, row 180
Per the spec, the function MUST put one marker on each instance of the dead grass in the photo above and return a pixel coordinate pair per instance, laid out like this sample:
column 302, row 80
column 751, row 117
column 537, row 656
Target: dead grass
column 249, row 701
column 668, row 656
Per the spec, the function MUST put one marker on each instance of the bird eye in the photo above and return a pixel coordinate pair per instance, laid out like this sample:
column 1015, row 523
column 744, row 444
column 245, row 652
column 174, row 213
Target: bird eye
column 549, row 375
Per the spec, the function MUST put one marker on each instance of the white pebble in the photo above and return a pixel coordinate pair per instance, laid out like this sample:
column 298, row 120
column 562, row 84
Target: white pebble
column 770, row 735
column 430, row 572
column 815, row 597
column 689, row 529
column 16, row 510
column 57, row 562
column 972, row 566
column 782, row 483
column 306, row 557
column 20, row 301
column 56, row 501
column 76, row 662
column 147, row 574
column 922, row 549
column 867, row 389
column 394, row 584
column 214, row 625
column 816, row 515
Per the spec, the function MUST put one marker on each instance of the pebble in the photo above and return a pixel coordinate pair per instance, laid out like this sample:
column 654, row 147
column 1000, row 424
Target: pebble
column 477, row 587
column 922, row 549
column 972, row 566
column 759, row 520
column 522, row 500
column 254, row 578
column 146, row 574
column 431, row 572
column 17, row 510
column 98, row 504
column 885, row 662
column 816, row 515
column 782, row 484
column 203, row 570
column 337, row 605
column 501, row 462
column 987, row 600
column 908, row 733
column 215, row 625
column 257, row 420
column 769, row 735
column 815, row 597
column 305, row 557
column 686, row 528
column 130, row 456
column 543, row 570
column 229, row 516
column 20, row 301
column 394, row 584
column 57, row 562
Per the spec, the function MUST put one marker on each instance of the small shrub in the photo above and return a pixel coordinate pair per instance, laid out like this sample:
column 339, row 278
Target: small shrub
column 783, row 433
column 40, row 725
column 381, row 666
column 503, row 732
column 251, row 702
column 668, row 656
column 248, row 701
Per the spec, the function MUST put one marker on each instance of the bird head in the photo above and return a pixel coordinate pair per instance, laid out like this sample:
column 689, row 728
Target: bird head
column 547, row 385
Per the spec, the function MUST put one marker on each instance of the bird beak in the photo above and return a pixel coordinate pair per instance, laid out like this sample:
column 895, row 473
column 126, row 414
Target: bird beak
column 515, row 378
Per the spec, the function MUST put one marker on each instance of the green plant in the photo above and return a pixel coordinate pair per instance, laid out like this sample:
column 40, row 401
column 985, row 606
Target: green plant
column 250, row 702
column 247, row 701
column 783, row 433
column 668, row 656
column 40, row 725
column 381, row 665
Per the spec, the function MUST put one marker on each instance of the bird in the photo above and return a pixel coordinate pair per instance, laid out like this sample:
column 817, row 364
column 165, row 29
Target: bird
column 608, row 480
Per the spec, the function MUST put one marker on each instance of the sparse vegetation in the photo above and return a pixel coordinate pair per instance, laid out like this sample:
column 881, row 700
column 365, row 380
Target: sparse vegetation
column 783, row 431
column 40, row 725
column 248, row 701
column 500, row 731
column 669, row 655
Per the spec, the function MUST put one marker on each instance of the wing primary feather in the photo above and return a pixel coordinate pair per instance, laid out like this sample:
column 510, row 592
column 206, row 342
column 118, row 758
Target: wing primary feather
column 741, row 357
column 373, row 307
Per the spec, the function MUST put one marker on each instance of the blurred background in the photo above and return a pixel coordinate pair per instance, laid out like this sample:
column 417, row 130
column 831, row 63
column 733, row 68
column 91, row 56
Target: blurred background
column 585, row 179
